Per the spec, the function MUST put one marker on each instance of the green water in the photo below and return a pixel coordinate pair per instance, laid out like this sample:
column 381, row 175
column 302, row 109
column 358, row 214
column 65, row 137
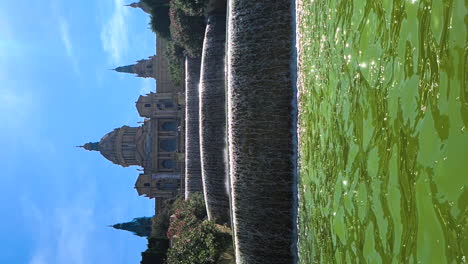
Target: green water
column 384, row 132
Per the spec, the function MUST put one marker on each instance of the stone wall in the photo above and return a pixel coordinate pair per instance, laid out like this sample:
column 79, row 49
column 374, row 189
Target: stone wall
column 161, row 73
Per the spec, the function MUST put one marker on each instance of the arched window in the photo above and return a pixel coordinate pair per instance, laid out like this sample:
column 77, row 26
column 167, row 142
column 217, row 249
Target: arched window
column 169, row 186
column 168, row 145
column 168, row 164
column 147, row 105
column 167, row 103
column 169, row 126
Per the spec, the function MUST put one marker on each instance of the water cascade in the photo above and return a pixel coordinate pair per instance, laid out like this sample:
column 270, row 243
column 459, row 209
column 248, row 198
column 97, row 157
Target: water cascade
column 261, row 125
column 193, row 179
column 213, row 120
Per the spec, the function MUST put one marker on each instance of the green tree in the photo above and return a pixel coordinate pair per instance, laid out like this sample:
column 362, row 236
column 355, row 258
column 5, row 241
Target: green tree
column 187, row 31
column 191, row 7
column 176, row 57
column 156, row 252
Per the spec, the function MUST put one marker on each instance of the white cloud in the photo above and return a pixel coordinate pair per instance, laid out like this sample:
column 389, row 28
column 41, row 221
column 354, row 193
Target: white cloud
column 62, row 234
column 67, row 43
column 38, row 259
column 114, row 34
column 16, row 108
column 148, row 85
column 9, row 46
column 65, row 36
column 75, row 226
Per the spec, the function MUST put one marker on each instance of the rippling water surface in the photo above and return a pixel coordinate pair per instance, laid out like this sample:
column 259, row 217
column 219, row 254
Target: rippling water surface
column 384, row 131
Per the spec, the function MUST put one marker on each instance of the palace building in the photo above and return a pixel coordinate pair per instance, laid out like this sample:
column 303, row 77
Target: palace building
column 157, row 146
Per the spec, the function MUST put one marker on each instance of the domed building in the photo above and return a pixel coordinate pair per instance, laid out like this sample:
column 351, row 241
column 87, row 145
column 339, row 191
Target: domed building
column 157, row 146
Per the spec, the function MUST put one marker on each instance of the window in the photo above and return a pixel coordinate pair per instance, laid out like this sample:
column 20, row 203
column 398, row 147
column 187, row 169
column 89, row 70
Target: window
column 169, row 186
column 146, row 185
column 168, row 145
column 169, row 126
column 167, row 103
column 168, row 164
column 147, row 105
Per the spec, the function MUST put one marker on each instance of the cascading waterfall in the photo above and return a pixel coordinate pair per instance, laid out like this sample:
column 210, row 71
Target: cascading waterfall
column 260, row 125
column 213, row 120
column 193, row 179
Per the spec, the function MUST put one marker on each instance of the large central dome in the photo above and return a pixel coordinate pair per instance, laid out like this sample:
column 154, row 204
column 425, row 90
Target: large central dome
column 107, row 146
column 123, row 146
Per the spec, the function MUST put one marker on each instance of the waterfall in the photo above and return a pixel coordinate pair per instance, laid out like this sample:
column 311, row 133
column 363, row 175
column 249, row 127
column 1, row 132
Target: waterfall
column 213, row 120
column 193, row 179
column 261, row 85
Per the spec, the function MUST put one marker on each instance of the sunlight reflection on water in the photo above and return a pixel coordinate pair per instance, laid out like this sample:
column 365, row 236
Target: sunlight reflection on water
column 383, row 145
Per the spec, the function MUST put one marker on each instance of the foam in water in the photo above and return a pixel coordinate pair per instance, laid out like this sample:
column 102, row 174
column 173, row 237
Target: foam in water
column 261, row 147
column 212, row 120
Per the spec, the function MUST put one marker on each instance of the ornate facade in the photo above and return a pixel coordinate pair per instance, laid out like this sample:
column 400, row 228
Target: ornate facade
column 157, row 146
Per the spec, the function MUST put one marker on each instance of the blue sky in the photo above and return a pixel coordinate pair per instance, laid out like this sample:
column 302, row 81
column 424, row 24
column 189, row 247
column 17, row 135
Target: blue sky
column 56, row 91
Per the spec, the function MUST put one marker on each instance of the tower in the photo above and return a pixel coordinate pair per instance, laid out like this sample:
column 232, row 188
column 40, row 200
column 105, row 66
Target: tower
column 156, row 67
column 146, row 8
column 159, row 105
column 143, row 68
column 139, row 226
column 126, row 69
column 158, row 185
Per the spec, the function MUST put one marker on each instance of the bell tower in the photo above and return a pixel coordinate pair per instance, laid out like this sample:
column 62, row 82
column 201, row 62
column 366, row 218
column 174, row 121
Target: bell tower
column 143, row 68
column 145, row 7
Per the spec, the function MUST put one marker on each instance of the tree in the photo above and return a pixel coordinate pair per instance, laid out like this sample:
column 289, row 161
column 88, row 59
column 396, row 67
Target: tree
column 187, row 31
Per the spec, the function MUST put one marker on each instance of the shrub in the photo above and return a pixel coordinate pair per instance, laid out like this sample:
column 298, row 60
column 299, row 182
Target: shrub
column 160, row 223
column 195, row 246
column 187, row 31
column 195, row 205
column 195, row 239
column 191, row 7
column 186, row 215
column 175, row 56
column 160, row 21
column 156, row 252
column 155, row 3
